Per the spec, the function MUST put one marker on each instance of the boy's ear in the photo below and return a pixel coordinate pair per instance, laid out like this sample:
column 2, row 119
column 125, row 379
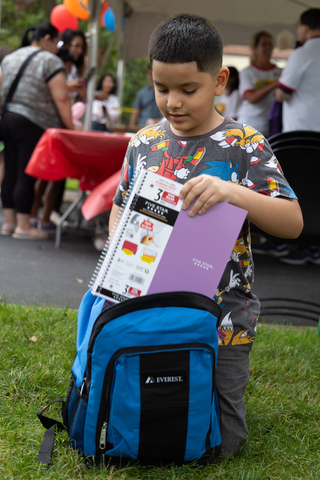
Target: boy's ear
column 221, row 80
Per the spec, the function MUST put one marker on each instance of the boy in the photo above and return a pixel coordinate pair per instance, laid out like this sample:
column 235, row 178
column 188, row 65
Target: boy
column 217, row 160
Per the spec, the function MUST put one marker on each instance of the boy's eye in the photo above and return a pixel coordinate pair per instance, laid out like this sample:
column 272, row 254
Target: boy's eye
column 189, row 92
column 162, row 90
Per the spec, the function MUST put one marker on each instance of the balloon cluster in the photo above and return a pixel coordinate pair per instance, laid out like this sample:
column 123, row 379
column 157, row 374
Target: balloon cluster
column 66, row 16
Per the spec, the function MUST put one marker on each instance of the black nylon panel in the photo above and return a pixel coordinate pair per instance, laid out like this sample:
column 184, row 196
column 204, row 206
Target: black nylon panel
column 164, row 390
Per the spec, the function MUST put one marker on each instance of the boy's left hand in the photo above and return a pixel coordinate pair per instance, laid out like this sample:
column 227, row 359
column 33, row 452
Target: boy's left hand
column 209, row 190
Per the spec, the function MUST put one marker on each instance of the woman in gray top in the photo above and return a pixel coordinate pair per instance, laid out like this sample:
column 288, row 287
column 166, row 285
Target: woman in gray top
column 40, row 101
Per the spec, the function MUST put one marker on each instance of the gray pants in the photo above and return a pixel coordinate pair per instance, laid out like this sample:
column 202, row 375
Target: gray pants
column 232, row 377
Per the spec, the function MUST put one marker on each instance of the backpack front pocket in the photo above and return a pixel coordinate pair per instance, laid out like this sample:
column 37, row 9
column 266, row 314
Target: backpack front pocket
column 159, row 402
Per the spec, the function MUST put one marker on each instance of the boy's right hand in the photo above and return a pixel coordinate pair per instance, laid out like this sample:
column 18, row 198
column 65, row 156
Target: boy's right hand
column 209, row 190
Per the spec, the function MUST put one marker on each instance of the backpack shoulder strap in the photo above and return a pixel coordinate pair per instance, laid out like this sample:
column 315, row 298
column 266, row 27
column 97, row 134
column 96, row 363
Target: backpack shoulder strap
column 16, row 80
column 52, row 426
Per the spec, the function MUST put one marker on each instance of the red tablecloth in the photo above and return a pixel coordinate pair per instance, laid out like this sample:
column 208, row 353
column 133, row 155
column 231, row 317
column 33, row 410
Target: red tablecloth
column 90, row 157
column 100, row 199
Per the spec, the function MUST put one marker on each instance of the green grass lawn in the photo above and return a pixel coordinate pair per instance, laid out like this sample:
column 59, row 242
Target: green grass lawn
column 283, row 403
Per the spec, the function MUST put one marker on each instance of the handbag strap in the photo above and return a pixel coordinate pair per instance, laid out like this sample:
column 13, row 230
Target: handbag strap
column 16, row 80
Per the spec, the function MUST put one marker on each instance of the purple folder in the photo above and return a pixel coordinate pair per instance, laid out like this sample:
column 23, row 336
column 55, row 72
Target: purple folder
column 198, row 250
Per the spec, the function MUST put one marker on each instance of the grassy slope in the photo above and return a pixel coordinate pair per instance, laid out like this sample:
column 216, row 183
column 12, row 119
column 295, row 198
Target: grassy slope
column 283, row 403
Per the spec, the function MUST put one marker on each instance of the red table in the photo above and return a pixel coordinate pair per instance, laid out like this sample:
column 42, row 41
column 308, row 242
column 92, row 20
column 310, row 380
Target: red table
column 91, row 157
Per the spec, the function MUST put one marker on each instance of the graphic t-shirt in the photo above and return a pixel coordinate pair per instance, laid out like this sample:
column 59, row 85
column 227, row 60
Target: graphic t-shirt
column 256, row 114
column 32, row 98
column 235, row 153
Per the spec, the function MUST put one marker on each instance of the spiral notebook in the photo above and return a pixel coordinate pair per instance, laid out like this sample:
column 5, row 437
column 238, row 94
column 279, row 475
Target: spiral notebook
column 156, row 247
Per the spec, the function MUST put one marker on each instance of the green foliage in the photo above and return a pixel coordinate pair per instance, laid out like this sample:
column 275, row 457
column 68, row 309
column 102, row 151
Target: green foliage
column 37, row 347
column 16, row 17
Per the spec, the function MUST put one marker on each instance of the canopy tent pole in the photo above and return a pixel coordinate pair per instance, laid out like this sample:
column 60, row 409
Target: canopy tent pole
column 93, row 30
column 118, row 10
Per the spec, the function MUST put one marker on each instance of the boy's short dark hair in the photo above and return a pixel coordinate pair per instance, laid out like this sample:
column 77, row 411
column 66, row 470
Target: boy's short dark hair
column 187, row 38
column 311, row 18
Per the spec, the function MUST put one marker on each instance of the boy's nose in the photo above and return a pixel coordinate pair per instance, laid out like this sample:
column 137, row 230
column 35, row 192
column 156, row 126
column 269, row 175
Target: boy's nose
column 174, row 101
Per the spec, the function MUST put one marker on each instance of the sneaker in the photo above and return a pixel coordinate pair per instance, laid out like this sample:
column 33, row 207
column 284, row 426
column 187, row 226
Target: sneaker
column 302, row 256
column 34, row 222
column 271, row 248
column 48, row 227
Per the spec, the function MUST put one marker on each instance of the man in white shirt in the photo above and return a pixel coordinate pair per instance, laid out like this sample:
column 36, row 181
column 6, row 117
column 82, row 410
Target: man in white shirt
column 299, row 82
column 299, row 91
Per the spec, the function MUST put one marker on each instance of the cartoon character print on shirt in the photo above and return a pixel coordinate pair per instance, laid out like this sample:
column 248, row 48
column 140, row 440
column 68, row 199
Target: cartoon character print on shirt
column 234, row 281
column 241, row 253
column 247, row 138
column 147, row 135
column 224, row 170
column 227, row 328
column 175, row 167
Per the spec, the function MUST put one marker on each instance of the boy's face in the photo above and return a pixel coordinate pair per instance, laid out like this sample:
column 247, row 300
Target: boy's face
column 185, row 96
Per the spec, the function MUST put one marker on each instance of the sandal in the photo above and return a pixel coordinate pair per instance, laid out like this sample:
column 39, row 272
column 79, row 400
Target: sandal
column 32, row 234
column 7, row 228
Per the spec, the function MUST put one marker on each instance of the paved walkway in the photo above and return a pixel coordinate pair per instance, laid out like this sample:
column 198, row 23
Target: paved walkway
column 37, row 273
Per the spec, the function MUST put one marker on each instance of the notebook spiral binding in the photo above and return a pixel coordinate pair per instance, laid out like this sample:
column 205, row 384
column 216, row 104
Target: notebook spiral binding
column 115, row 235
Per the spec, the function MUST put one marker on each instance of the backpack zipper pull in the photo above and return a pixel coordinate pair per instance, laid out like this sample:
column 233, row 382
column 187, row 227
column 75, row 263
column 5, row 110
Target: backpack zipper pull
column 103, row 436
column 82, row 386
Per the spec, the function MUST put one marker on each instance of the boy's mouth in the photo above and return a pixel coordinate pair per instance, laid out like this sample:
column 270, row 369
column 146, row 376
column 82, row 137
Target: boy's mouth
column 177, row 117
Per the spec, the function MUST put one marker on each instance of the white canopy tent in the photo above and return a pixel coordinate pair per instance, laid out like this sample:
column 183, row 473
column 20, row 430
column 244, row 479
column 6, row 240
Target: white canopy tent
column 235, row 20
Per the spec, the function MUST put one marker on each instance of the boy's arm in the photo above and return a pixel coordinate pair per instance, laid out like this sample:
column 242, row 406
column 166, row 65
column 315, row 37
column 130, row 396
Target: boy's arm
column 278, row 216
column 115, row 211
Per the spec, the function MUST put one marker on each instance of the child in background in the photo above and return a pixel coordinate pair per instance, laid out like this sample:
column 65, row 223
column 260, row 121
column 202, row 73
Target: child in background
column 229, row 102
column 106, row 106
column 217, row 159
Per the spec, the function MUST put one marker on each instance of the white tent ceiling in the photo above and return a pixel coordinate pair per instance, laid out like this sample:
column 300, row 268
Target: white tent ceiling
column 236, row 20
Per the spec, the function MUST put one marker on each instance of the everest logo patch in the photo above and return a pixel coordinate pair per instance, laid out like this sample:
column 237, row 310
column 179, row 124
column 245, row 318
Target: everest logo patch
column 150, row 380
column 163, row 378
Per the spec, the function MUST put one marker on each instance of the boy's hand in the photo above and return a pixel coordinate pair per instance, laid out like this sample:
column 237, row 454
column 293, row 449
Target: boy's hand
column 209, row 190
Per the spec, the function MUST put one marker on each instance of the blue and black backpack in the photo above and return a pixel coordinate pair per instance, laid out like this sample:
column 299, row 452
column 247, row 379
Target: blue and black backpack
column 143, row 382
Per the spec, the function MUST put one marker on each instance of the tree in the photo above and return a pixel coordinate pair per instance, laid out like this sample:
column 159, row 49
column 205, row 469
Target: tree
column 17, row 15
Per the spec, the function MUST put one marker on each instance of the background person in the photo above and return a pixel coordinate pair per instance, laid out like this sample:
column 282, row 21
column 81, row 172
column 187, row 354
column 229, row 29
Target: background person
column 4, row 50
column 146, row 111
column 106, row 109
column 75, row 42
column 229, row 102
column 299, row 91
column 257, row 84
column 298, row 87
column 40, row 101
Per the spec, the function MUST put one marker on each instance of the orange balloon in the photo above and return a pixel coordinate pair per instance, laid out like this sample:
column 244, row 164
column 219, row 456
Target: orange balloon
column 78, row 8
column 105, row 6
